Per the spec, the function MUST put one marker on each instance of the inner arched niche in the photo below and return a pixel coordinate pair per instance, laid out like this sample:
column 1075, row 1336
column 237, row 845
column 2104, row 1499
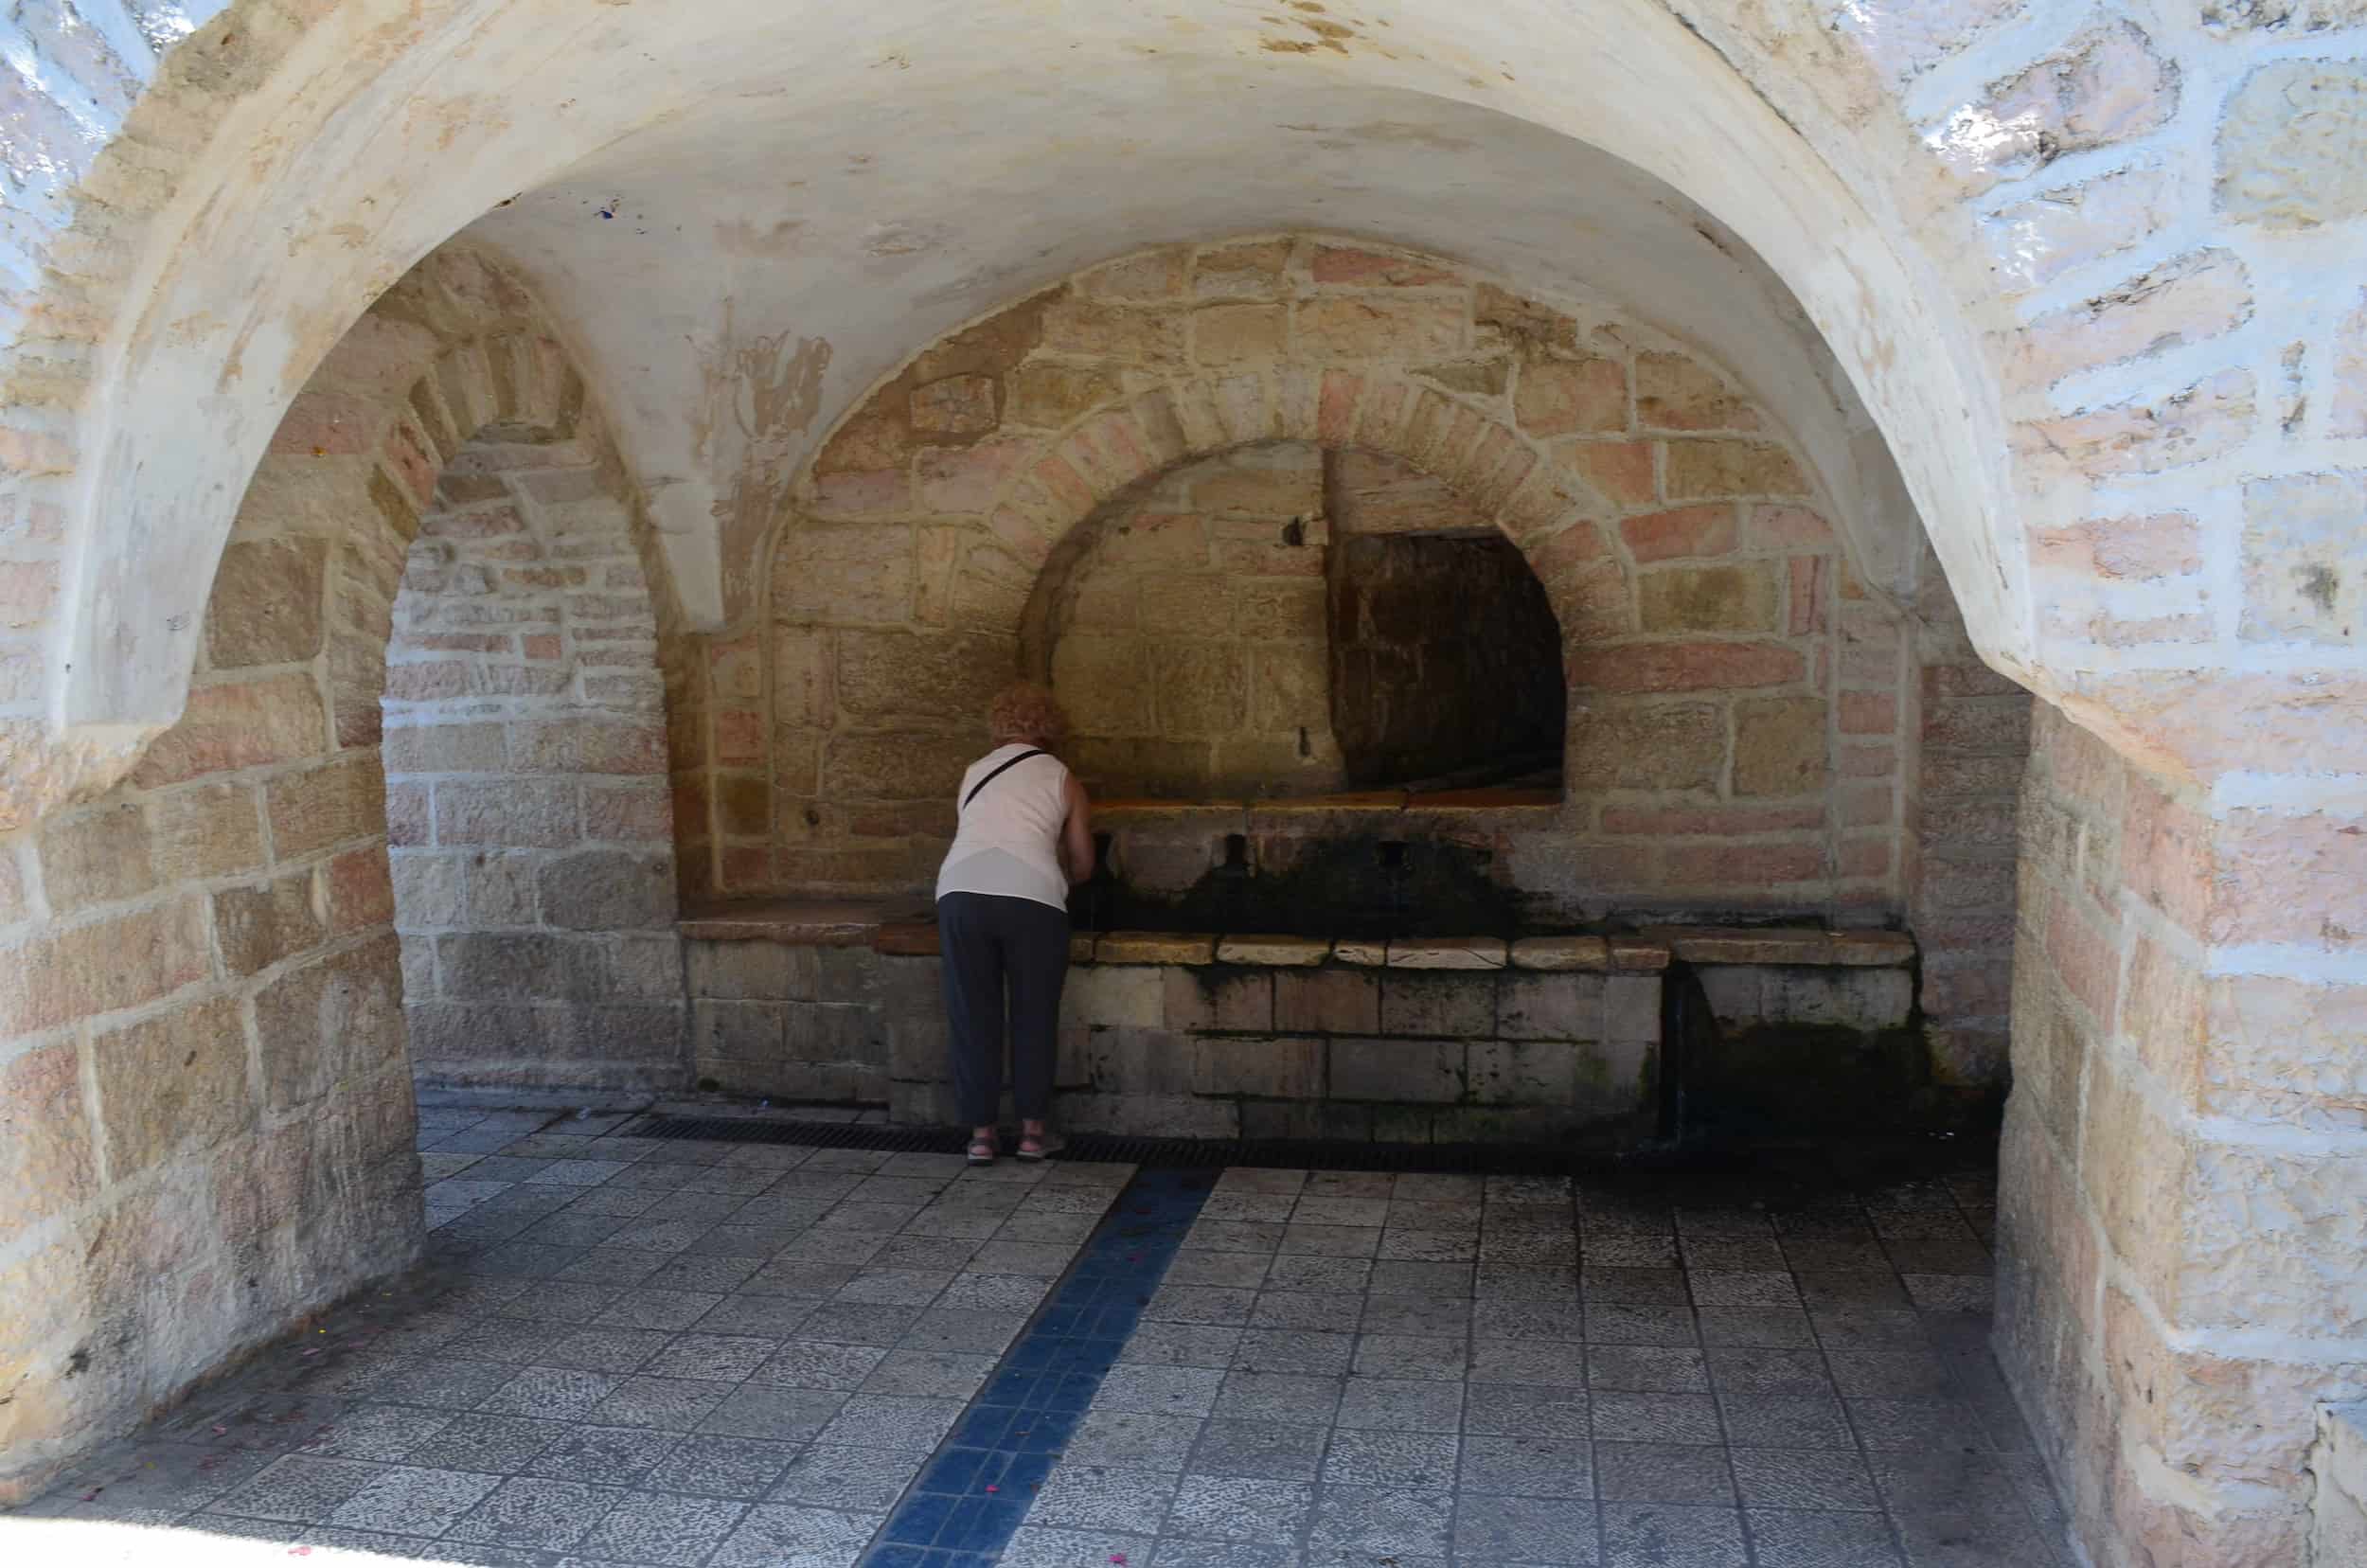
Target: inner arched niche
column 1289, row 619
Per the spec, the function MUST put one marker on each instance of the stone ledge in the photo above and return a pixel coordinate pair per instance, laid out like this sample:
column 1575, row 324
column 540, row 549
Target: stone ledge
column 896, row 933
column 1154, row 947
column 1447, row 953
column 1235, row 813
column 1787, row 945
column 1274, row 952
column 794, row 922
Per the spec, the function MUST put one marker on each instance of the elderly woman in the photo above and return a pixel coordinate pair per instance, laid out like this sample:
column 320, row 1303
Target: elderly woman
column 1024, row 836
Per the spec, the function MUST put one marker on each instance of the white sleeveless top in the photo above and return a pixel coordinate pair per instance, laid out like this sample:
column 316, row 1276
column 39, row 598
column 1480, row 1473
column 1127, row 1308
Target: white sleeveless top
column 1008, row 842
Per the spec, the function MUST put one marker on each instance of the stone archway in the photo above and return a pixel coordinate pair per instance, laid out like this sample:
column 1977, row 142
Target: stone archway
column 1706, row 601
column 218, row 940
column 1977, row 206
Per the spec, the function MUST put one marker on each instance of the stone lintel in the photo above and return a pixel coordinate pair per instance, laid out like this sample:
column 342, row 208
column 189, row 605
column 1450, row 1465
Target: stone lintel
column 801, row 923
column 1447, row 953
column 1638, row 954
column 1274, row 952
column 1154, row 947
column 1800, row 945
column 1562, row 952
column 1354, row 951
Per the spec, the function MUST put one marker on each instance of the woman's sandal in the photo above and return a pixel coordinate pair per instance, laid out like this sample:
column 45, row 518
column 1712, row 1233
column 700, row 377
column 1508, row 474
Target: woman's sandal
column 982, row 1151
column 1033, row 1149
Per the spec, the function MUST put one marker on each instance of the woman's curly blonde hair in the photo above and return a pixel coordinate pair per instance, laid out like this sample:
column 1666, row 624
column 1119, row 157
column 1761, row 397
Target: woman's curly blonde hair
column 1026, row 712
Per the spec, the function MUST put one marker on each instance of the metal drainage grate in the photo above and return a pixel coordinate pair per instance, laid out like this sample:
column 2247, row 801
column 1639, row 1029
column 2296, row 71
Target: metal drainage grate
column 1175, row 1154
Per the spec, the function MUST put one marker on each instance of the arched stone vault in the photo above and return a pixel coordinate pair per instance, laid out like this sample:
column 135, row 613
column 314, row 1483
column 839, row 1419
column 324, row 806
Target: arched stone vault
column 2086, row 270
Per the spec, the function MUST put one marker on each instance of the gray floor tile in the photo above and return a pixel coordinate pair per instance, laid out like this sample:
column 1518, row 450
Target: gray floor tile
column 972, row 1330
column 1242, row 1510
column 595, row 1350
column 501, row 1444
column 1624, row 1418
column 644, row 1307
column 1181, row 1345
column 1790, row 1540
column 1385, row 1520
column 1272, row 1451
column 1528, row 1320
column 1278, row 1397
column 1646, row 1369
column 1525, row 1466
column 1957, row 1540
column 929, row 1374
column 885, row 1420
column 1133, row 1440
column 858, row 1323
column 708, row 1464
column 1752, row 1371
column 1657, row 1535
column 667, row 1404
column 604, row 1455
column 565, row 1394
column 1099, row 1497
column 1757, row 1327
column 1631, row 1323
column 1804, row 1478
column 1890, row 1374
column 1365, row 1458
column 1232, row 1270
column 1943, row 1481
column 1525, row 1529
column 658, row 1529
column 1032, row 1546
column 767, row 1316
column 1663, row 1472
column 857, row 1479
column 1784, row 1420
column 1434, row 1316
column 1304, row 1350
column 1915, row 1424
column 1531, row 1363
column 443, row 1385
column 1306, row 1271
column 1303, row 1309
column 715, row 1358
column 805, row 1363
column 780, row 1535
column 529, row 1512
column 377, row 1432
column 1519, row 1410
column 1166, row 1390
column 1870, row 1328
column 413, row 1502
column 1174, row 1552
column 300, row 1489
column 1399, row 1404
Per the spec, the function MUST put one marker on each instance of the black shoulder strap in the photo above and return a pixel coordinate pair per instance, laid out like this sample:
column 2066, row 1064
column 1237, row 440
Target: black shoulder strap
column 997, row 774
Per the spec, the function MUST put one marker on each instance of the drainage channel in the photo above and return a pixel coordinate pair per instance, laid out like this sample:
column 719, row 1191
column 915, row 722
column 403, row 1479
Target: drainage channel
column 1150, row 1152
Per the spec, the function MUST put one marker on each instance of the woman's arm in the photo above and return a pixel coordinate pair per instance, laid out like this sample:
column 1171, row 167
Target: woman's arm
column 1076, row 834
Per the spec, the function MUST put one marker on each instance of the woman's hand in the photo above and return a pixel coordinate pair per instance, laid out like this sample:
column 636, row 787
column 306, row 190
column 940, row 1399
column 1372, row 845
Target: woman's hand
column 1076, row 834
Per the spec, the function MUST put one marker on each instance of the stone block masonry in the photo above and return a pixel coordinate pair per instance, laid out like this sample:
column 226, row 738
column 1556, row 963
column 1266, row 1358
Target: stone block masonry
column 1115, row 511
column 532, row 843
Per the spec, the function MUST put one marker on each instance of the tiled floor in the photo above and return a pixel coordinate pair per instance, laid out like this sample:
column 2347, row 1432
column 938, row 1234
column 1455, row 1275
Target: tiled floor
column 726, row 1356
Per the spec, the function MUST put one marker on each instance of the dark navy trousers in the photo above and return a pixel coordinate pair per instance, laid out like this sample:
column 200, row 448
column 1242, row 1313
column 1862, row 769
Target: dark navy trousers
column 990, row 944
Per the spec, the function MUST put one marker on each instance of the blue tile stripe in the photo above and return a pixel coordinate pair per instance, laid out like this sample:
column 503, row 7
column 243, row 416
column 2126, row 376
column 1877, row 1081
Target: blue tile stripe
column 963, row 1508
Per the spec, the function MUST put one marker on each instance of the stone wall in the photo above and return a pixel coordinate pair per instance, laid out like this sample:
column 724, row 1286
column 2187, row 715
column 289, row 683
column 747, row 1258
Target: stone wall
column 530, row 824
column 2182, row 1233
column 1184, row 629
column 1739, row 698
column 208, row 1104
